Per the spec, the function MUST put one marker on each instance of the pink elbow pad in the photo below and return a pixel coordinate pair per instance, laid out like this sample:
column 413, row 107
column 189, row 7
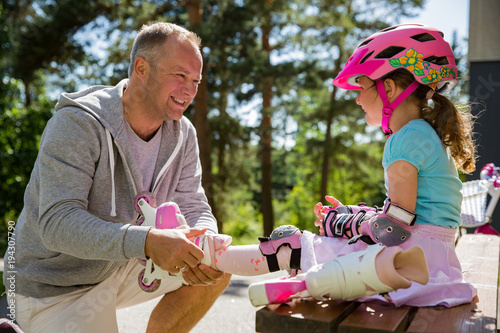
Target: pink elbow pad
column 392, row 227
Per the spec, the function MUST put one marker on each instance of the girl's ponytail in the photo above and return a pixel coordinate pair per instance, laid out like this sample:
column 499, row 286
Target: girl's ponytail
column 454, row 127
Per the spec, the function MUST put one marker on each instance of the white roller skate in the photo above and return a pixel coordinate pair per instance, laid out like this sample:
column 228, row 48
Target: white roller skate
column 348, row 277
column 168, row 216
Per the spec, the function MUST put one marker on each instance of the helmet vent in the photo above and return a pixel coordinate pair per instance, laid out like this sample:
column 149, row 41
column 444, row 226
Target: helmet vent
column 424, row 37
column 365, row 42
column 389, row 52
column 440, row 61
column 366, row 57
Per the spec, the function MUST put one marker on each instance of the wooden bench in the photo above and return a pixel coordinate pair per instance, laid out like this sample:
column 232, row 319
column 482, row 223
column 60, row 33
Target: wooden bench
column 479, row 257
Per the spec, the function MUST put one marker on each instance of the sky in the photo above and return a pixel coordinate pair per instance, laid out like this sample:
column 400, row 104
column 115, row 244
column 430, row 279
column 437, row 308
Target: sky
column 445, row 15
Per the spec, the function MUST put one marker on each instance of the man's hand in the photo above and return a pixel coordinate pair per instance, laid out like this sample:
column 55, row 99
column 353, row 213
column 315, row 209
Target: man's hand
column 171, row 249
column 201, row 275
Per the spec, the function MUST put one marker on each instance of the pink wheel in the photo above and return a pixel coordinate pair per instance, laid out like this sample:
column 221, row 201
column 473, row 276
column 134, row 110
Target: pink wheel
column 152, row 287
column 148, row 196
column 140, row 221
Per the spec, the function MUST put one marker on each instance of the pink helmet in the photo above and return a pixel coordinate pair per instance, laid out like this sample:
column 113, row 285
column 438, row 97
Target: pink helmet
column 418, row 48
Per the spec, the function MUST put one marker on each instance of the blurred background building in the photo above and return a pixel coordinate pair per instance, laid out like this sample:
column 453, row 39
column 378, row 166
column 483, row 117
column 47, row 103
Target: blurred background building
column 484, row 67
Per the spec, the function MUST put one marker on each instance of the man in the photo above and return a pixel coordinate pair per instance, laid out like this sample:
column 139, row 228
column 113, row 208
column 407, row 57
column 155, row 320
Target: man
column 77, row 236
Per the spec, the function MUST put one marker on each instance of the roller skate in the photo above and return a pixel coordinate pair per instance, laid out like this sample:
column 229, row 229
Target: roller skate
column 168, row 216
column 348, row 277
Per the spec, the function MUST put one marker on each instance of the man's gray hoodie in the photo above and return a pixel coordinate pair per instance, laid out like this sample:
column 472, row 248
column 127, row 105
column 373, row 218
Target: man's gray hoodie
column 78, row 224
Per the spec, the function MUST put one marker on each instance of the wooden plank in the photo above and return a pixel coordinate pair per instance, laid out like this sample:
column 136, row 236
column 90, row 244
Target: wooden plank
column 303, row 316
column 462, row 318
column 377, row 316
column 479, row 257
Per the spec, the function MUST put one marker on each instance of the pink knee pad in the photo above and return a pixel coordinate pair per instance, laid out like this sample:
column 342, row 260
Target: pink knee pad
column 285, row 235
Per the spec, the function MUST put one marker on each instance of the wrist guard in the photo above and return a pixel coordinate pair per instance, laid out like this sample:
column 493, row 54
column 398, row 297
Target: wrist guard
column 344, row 221
column 390, row 227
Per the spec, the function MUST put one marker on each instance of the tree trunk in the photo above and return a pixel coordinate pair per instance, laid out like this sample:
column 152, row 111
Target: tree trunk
column 325, row 168
column 266, row 131
column 266, row 159
column 27, row 93
column 329, row 121
column 200, row 119
column 221, row 178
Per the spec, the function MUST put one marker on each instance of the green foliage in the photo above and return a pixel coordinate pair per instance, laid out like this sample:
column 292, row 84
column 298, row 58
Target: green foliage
column 298, row 208
column 243, row 220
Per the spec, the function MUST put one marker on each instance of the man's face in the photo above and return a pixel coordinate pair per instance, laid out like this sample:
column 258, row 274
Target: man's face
column 172, row 86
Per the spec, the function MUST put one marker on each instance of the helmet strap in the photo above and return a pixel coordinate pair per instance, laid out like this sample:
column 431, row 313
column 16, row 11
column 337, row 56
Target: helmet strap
column 388, row 108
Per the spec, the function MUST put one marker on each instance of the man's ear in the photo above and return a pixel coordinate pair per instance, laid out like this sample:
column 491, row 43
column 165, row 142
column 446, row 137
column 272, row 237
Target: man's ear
column 141, row 68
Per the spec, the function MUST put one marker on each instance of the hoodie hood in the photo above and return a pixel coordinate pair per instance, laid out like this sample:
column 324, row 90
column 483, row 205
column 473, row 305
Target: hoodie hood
column 104, row 103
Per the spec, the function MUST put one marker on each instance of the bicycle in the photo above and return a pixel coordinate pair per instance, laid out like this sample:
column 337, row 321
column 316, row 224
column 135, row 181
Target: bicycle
column 477, row 212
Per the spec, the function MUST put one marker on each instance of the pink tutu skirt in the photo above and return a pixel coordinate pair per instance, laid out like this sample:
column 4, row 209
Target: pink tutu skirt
column 445, row 287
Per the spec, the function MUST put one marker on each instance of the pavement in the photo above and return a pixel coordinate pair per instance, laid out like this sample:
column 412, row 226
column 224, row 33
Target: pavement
column 232, row 312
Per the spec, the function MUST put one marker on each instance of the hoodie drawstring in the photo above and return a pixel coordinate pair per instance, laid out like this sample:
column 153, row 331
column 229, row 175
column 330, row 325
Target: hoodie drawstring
column 112, row 167
column 170, row 160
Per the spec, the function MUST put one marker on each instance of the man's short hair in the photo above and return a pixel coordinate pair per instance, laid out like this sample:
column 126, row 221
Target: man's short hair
column 151, row 38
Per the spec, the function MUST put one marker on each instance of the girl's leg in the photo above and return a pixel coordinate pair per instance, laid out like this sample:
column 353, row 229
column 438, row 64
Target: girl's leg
column 248, row 260
column 281, row 251
column 375, row 270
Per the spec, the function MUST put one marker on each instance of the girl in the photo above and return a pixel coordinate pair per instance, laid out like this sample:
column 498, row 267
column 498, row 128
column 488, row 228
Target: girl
column 397, row 71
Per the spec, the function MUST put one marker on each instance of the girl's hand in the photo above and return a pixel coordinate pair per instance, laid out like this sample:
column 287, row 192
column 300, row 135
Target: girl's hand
column 335, row 203
column 321, row 212
column 318, row 210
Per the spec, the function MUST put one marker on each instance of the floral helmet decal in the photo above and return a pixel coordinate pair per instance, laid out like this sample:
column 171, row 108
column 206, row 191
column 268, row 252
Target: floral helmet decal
column 417, row 48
